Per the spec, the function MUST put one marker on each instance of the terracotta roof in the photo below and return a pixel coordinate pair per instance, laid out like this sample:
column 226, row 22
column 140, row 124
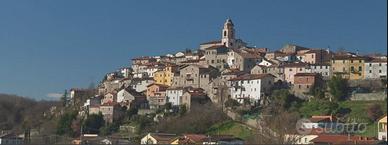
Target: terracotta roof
column 328, row 118
column 251, row 77
column 211, row 42
column 245, row 53
column 343, row 139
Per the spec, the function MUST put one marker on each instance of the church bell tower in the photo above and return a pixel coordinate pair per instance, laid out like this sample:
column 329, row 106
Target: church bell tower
column 228, row 38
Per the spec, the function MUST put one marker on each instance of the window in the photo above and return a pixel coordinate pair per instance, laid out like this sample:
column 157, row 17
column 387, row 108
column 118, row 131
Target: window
column 370, row 71
column 360, row 68
column 299, row 86
column 224, row 33
column 379, row 71
column 308, row 86
column 379, row 64
column 351, row 61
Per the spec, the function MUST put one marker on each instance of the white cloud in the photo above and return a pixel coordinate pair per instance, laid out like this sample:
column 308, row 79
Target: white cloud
column 54, row 95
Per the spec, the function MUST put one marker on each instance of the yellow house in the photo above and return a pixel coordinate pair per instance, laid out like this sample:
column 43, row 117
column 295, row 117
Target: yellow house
column 349, row 67
column 382, row 128
column 165, row 76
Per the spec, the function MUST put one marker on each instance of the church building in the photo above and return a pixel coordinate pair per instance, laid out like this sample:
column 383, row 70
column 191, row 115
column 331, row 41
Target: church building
column 228, row 38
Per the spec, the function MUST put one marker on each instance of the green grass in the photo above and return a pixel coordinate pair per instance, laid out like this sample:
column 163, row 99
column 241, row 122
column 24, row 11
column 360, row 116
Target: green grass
column 230, row 128
column 359, row 113
column 359, row 108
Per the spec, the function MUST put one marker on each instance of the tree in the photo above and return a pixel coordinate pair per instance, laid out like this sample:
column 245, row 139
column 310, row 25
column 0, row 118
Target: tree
column 231, row 103
column 284, row 99
column 338, row 88
column 374, row 112
column 93, row 123
column 64, row 99
column 317, row 91
column 65, row 122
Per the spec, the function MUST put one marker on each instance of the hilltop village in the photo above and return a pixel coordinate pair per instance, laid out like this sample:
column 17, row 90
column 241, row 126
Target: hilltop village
column 247, row 84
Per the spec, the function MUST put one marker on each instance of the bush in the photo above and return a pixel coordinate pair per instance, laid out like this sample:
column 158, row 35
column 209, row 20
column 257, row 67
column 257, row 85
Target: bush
column 338, row 88
column 231, row 103
column 93, row 123
column 374, row 112
column 65, row 122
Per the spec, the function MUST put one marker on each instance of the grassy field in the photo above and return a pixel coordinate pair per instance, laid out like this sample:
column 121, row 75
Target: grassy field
column 230, row 128
column 359, row 114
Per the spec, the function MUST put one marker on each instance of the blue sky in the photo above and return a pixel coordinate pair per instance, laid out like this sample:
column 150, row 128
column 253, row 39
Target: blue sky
column 47, row 46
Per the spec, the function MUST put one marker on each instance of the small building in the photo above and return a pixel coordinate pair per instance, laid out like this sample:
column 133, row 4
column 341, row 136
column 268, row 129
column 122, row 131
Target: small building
column 304, row 82
column 382, row 128
column 293, row 68
column 251, row 87
column 190, row 139
column 321, row 122
column 158, row 138
column 156, row 95
column 10, row 139
column 376, row 69
column 130, row 98
column 350, row 67
column 174, row 95
column 194, row 96
column 111, row 112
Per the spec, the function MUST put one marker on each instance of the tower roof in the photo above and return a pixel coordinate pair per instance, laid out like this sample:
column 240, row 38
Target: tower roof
column 229, row 22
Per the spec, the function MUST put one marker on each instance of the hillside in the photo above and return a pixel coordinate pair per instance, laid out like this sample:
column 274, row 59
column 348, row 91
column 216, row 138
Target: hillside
column 17, row 113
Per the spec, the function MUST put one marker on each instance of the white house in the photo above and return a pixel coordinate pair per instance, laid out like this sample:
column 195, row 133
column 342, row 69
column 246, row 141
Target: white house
column 140, row 84
column 375, row 69
column 251, row 86
column 266, row 62
column 323, row 69
column 300, row 139
column 174, row 95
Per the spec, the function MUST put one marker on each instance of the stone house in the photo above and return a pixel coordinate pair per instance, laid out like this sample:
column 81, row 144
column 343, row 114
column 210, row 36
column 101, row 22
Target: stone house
column 196, row 76
column 304, row 82
column 111, row 112
column 217, row 56
column 129, row 98
column 193, row 96
column 242, row 59
column 275, row 70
